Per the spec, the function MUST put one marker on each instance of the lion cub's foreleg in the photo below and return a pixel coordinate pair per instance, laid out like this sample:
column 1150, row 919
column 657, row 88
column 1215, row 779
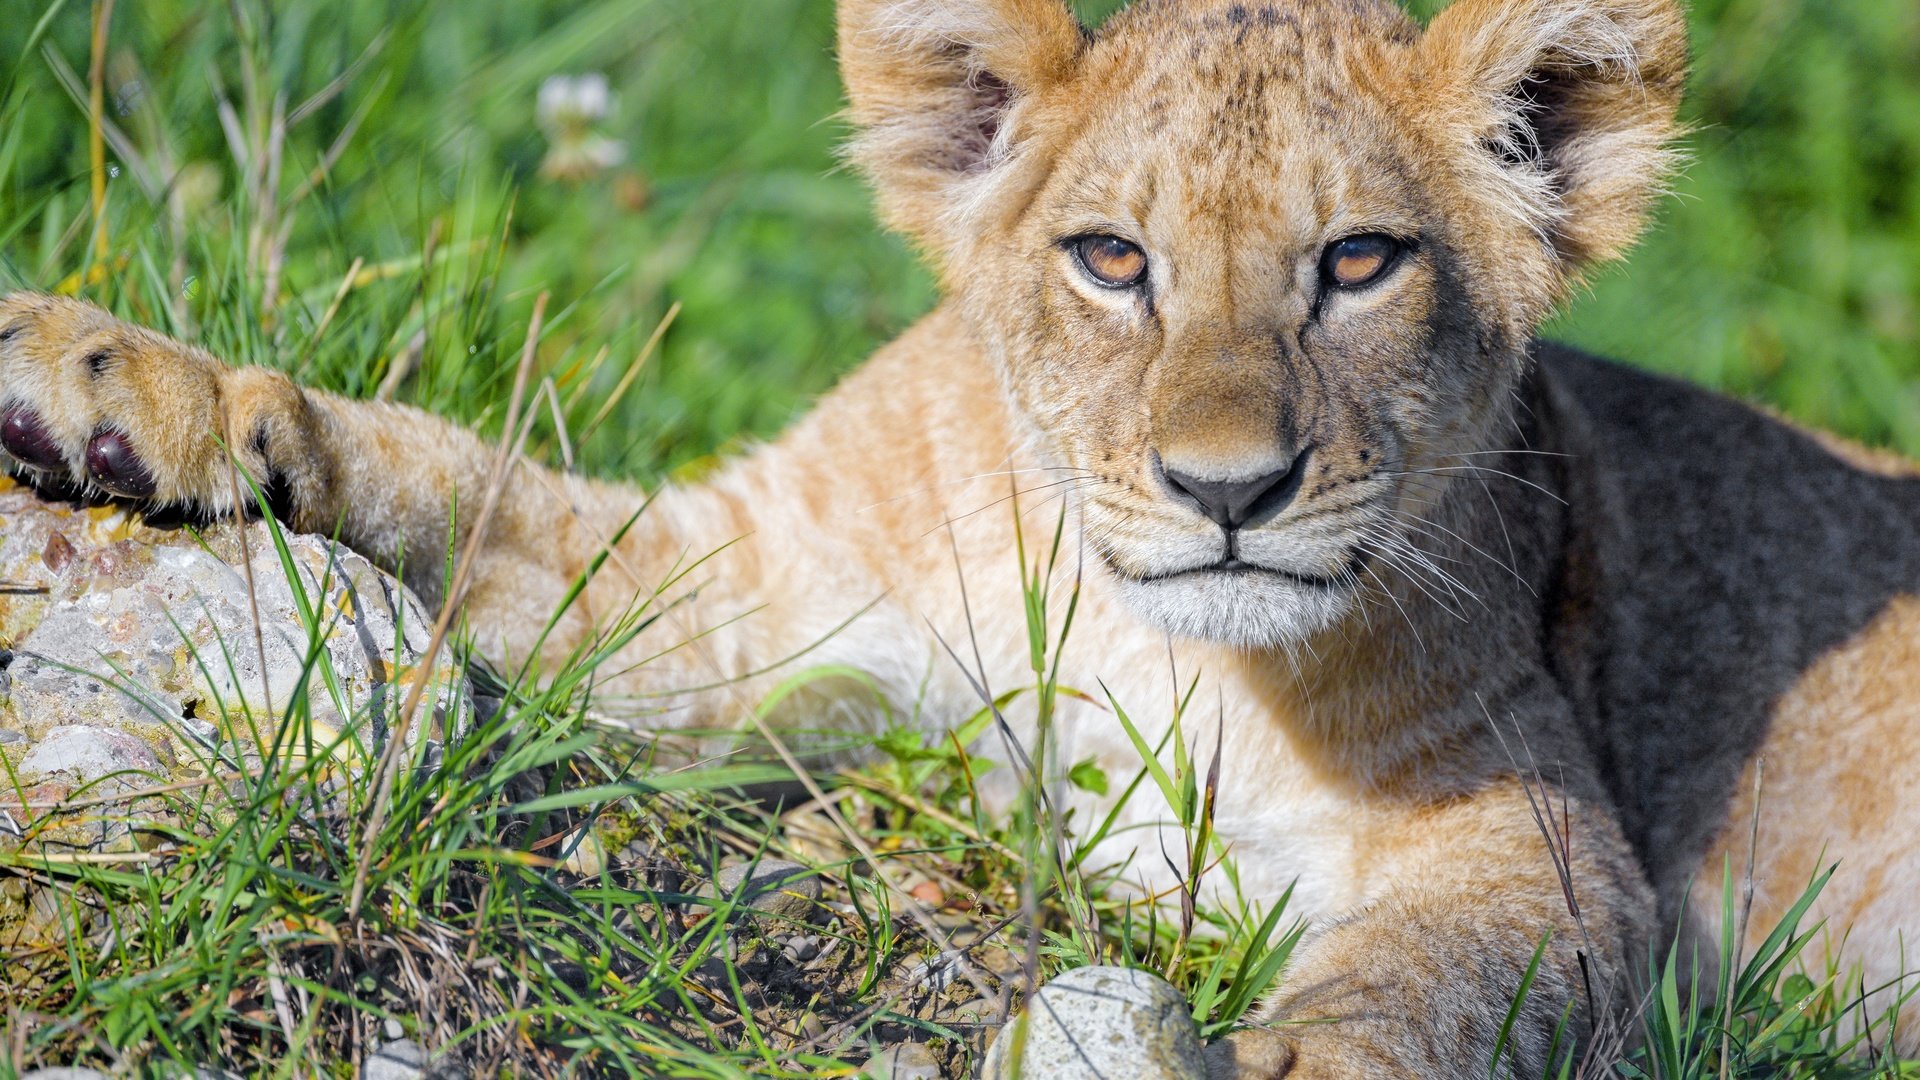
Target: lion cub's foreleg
column 1421, row 980
column 92, row 403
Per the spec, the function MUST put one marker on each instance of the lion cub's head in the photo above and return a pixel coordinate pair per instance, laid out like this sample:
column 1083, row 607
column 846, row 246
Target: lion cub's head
column 1261, row 267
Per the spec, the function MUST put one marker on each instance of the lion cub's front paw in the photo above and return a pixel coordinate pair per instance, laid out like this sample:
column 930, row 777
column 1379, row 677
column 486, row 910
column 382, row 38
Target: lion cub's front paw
column 1251, row 1054
column 90, row 401
column 1313, row 1051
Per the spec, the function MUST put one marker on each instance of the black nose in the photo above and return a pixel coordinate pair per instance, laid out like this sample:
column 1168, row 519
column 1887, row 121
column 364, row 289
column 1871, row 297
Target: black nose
column 1233, row 504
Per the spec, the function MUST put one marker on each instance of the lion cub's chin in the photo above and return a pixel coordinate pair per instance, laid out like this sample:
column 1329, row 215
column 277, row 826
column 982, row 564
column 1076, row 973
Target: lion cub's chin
column 1251, row 610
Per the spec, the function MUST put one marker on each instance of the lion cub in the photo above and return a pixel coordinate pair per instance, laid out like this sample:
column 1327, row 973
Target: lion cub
column 1497, row 632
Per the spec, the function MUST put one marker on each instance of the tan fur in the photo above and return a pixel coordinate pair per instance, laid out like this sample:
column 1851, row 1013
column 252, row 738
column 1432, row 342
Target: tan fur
column 1825, row 790
column 1488, row 676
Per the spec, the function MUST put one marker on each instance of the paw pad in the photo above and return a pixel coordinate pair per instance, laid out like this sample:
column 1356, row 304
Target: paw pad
column 113, row 465
column 28, row 440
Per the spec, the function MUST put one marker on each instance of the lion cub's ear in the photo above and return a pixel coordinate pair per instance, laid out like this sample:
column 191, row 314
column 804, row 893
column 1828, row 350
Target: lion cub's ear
column 942, row 93
column 1568, row 108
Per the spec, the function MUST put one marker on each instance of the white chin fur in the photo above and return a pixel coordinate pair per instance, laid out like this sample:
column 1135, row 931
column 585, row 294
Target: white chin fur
column 1250, row 610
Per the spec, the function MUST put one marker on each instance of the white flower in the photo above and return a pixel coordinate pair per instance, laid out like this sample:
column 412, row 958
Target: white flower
column 569, row 106
column 571, row 102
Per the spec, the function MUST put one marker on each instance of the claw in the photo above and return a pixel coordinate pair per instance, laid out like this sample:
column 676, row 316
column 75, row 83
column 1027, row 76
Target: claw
column 113, row 465
column 27, row 439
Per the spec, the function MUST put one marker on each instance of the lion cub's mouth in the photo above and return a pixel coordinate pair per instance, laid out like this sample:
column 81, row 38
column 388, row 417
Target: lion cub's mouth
column 1341, row 581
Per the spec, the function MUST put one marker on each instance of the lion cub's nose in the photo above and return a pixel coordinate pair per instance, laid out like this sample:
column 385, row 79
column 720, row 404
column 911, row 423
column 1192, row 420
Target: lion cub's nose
column 1234, row 503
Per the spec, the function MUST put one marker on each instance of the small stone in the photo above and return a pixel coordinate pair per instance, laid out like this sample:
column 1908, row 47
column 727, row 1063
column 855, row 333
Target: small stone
column 89, row 753
column 393, row 1028
column 801, row 948
column 587, row 856
column 400, row 1059
column 9, row 738
column 908, row 1061
column 1097, row 1023
column 771, row 886
column 64, row 1073
column 57, row 554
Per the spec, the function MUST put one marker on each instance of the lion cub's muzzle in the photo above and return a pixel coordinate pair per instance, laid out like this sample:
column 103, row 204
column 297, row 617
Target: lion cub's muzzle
column 1243, row 498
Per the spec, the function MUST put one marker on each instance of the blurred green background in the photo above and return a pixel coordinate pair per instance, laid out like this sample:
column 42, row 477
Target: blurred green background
column 1785, row 269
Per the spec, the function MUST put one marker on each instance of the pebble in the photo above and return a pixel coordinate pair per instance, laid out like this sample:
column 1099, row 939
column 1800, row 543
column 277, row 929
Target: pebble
column 400, row 1059
column 771, row 886
column 908, row 1061
column 586, row 855
column 801, row 948
column 1101, row 1023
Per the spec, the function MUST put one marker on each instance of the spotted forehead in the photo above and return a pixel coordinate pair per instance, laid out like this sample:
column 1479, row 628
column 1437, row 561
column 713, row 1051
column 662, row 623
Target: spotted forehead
column 1339, row 18
column 1247, row 106
column 1243, row 59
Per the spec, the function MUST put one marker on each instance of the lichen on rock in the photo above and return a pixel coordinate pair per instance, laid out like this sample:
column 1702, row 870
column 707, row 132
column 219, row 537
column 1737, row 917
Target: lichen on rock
column 122, row 637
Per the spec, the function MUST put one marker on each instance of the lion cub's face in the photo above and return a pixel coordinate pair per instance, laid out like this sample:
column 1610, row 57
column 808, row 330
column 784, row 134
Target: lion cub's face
column 1244, row 316
column 1260, row 272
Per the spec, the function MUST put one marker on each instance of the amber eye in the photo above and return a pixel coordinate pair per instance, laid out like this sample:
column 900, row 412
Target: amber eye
column 1359, row 260
column 1111, row 261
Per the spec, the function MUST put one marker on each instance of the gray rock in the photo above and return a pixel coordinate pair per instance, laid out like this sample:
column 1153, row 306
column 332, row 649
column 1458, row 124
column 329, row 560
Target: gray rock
column 120, row 626
column 1101, row 1023
column 908, row 1061
column 771, row 886
column 401, row 1059
column 64, row 1073
column 800, row 948
column 89, row 753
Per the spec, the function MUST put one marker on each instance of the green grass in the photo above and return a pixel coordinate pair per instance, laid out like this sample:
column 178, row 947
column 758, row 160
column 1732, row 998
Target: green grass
column 1787, row 269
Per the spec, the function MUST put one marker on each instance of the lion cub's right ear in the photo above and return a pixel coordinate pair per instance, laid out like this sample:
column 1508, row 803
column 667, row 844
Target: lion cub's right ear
column 943, row 95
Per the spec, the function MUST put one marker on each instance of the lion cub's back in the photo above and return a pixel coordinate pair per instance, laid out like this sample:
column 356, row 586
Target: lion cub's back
column 1762, row 588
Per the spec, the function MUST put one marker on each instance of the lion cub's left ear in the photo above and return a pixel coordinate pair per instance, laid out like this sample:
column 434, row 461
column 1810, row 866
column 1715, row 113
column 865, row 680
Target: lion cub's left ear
column 943, row 95
column 1568, row 106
